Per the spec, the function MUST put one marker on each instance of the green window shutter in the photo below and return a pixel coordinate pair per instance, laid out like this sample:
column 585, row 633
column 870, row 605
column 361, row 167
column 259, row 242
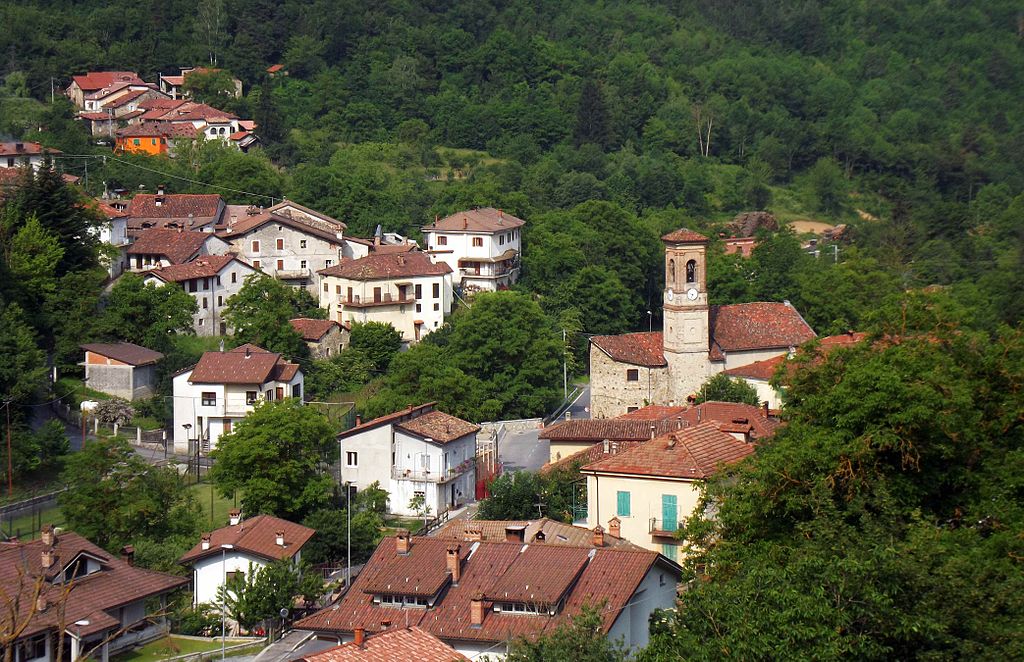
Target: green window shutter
column 669, row 551
column 669, row 512
column 623, row 504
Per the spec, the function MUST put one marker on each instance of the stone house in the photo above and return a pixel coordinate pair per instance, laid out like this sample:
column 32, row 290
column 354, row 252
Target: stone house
column 123, row 369
column 325, row 338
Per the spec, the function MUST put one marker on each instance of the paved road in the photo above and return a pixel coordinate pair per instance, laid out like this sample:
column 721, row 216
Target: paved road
column 523, row 450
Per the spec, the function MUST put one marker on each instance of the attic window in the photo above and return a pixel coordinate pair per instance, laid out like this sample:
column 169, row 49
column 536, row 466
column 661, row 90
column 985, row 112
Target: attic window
column 523, row 608
column 402, row 601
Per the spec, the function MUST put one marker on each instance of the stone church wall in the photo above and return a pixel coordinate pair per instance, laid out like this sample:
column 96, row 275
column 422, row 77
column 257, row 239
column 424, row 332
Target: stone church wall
column 612, row 394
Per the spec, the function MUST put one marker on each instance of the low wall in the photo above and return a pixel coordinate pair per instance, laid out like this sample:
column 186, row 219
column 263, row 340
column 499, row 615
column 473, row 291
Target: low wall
column 518, row 425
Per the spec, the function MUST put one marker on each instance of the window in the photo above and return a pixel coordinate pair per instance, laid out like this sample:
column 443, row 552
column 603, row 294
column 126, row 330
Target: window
column 235, row 574
column 250, row 397
column 671, row 271
column 227, row 425
column 269, row 395
column 442, row 240
column 220, row 301
column 376, row 295
column 351, row 459
column 478, row 242
column 328, row 263
column 136, row 141
column 437, row 290
column 280, row 265
column 622, row 503
column 437, row 306
column 255, row 246
column 632, row 375
column 206, row 283
column 218, row 281
column 302, row 264
column 296, row 390
column 302, row 243
column 255, row 264
column 33, row 648
column 204, row 304
column 337, row 289
column 419, row 308
column 669, row 512
column 630, row 410
column 669, row 551
column 200, row 321
column 501, row 240
column 419, row 291
column 234, row 277
column 326, row 289
column 280, row 244
column 193, row 285
column 691, row 271
column 152, row 141
column 209, row 399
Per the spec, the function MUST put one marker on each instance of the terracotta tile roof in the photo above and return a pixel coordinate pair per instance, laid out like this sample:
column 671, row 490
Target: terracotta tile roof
column 396, row 644
column 382, row 249
column 161, row 103
column 439, row 426
column 421, row 573
column 762, row 325
column 725, row 414
column 126, row 98
column 652, row 413
column 10, row 148
column 529, row 579
column 589, row 455
column 684, row 236
column 643, row 349
column 95, row 80
column 544, row 531
column 247, row 364
column 691, row 453
column 176, row 205
column 94, row 117
column 274, row 68
column 487, row 219
column 256, row 535
column 312, row 330
column 389, row 419
column 377, row 266
column 206, row 266
column 189, row 111
column 97, row 597
column 124, row 352
column 313, row 217
column 177, row 81
column 406, row 644
column 178, row 246
column 763, row 370
column 253, row 222
column 110, row 211
column 152, row 129
column 611, row 575
column 599, row 429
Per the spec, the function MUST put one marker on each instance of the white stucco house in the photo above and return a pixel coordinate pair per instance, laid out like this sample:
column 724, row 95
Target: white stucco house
column 243, row 546
column 211, row 280
column 415, row 451
column 19, row 153
column 404, row 289
column 224, row 387
column 482, row 246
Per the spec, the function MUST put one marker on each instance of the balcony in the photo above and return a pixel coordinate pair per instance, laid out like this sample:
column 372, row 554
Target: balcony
column 663, row 529
column 293, row 274
column 421, row 476
column 386, row 299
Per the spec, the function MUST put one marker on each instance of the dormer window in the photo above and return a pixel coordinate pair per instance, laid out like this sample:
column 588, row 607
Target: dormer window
column 532, row 609
column 402, row 601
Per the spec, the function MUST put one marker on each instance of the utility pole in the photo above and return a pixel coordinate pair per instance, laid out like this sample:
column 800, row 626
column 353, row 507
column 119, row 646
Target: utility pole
column 835, row 253
column 565, row 369
column 10, row 467
column 51, row 90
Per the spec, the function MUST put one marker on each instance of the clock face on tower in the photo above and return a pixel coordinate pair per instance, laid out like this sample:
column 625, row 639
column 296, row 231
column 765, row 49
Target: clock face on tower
column 691, row 294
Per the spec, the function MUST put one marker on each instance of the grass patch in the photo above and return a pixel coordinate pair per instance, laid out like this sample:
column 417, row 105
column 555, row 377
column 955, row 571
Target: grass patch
column 26, row 527
column 76, row 392
column 172, row 646
column 221, row 505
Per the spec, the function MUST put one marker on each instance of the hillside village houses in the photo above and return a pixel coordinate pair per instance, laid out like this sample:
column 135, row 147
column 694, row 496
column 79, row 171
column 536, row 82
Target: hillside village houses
column 211, row 280
column 15, row 154
column 224, row 387
column 631, row 370
column 123, row 369
column 325, row 338
column 173, row 86
column 417, row 451
column 162, row 247
column 482, row 247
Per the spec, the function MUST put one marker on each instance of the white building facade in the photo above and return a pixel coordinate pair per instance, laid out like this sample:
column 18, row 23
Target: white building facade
column 482, row 247
column 211, row 280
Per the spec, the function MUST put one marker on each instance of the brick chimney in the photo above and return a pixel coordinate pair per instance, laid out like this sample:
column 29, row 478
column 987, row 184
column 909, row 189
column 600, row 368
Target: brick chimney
column 47, row 557
column 454, row 562
column 402, row 542
column 235, row 515
column 360, row 637
column 476, row 610
column 128, row 554
column 359, row 420
column 47, row 536
column 206, row 541
column 598, row 536
column 765, row 408
column 279, row 538
column 615, row 527
column 473, row 534
column 41, row 603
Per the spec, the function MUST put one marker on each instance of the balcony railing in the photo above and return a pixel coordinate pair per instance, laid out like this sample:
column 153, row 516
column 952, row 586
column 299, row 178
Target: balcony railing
column 422, row 476
column 386, row 299
column 659, row 527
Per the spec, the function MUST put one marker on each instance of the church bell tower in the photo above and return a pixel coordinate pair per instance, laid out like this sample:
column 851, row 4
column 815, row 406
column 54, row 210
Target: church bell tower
column 686, row 325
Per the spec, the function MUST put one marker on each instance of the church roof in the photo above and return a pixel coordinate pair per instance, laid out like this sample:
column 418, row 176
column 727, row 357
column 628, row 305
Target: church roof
column 682, row 235
column 643, row 349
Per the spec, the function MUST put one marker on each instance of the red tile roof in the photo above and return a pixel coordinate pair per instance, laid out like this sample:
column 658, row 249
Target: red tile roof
column 96, row 597
column 643, row 349
column 253, row 222
column 528, row 580
column 377, row 266
column 487, row 219
column 27, row 149
column 177, row 246
column 95, row 80
column 692, row 453
column 124, row 352
column 186, row 111
column 312, row 330
column 421, row 573
column 593, row 453
column 540, row 531
column 763, row 370
column 126, row 98
column 438, row 426
column 599, row 429
column 652, row 413
column 256, row 535
column 684, row 236
column 289, row 207
column 247, row 364
column 396, row 644
column 110, row 211
column 608, row 575
column 274, row 68
column 206, row 266
column 176, row 205
column 762, row 325
column 389, row 419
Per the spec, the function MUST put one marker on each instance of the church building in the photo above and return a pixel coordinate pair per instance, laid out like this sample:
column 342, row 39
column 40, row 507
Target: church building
column 698, row 340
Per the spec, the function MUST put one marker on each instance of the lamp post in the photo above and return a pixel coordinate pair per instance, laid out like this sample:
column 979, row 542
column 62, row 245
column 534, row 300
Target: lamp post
column 79, row 624
column 188, row 440
column 650, row 321
column 348, row 538
column 224, row 583
column 426, row 481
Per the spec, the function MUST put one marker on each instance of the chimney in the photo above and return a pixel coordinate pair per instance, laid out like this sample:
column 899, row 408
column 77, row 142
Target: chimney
column 159, row 201
column 465, row 223
column 159, row 189
column 47, row 557
column 42, row 604
column 607, row 446
column 235, row 515
column 765, row 407
column 206, row 541
column 247, row 353
column 615, row 527
column 402, row 542
column 473, row 534
column 19, row 147
column 671, row 443
column 401, row 260
column 128, row 554
column 46, row 535
column 359, row 420
column 501, row 217
column 279, row 539
column 360, row 639
column 652, row 430
column 598, row 536
column 515, row 534
column 476, row 610
column 454, row 562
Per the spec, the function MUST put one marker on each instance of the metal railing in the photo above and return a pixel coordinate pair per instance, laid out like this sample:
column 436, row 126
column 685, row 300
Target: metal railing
column 663, row 527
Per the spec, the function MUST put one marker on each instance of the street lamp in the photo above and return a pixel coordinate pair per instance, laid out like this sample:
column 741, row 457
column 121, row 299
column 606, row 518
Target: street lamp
column 650, row 321
column 78, row 638
column 426, row 480
column 188, row 441
column 348, row 540
column 224, row 583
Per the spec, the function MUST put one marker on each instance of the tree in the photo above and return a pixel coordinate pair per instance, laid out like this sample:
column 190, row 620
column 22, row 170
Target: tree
column 344, row 372
column 32, row 257
column 208, row 86
column 578, row 638
column 114, row 410
column 881, row 520
column 278, row 457
column 530, row 494
column 330, row 544
column 723, row 388
column 146, row 314
column 257, row 596
column 115, row 497
column 827, row 186
column 591, row 116
column 378, row 341
column 23, row 370
column 260, row 311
